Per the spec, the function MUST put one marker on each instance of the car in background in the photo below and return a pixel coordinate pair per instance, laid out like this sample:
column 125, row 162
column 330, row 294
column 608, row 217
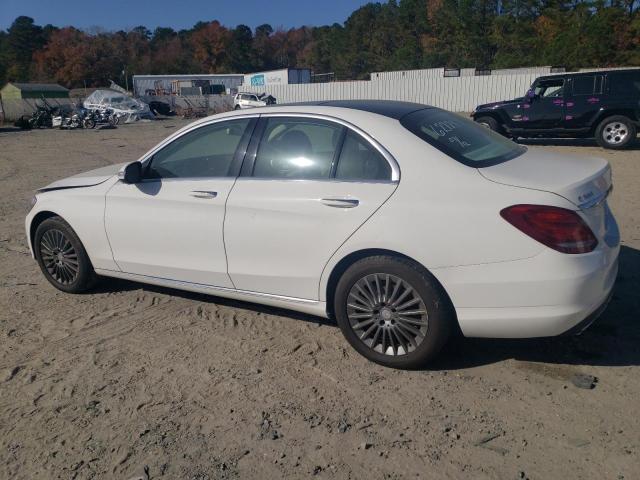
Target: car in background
column 403, row 222
column 252, row 100
column 604, row 105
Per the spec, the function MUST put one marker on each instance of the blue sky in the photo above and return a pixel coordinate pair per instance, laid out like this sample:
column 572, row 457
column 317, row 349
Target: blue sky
column 178, row 14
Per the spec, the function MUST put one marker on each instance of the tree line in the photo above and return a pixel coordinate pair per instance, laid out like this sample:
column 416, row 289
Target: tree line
column 396, row 35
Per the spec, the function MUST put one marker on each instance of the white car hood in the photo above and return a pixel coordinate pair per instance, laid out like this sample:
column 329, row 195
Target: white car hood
column 581, row 180
column 85, row 179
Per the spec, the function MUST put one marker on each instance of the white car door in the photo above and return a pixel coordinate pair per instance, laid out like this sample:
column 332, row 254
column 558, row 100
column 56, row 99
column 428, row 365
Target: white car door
column 170, row 224
column 306, row 185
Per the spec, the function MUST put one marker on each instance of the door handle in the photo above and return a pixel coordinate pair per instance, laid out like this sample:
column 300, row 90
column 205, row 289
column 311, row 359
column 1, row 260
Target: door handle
column 203, row 194
column 340, row 202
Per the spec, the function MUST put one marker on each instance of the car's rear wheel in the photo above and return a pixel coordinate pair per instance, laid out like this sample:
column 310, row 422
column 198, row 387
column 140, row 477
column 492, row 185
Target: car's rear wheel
column 616, row 132
column 392, row 311
column 62, row 257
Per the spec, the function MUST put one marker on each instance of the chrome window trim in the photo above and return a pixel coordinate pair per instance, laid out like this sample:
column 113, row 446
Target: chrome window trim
column 395, row 168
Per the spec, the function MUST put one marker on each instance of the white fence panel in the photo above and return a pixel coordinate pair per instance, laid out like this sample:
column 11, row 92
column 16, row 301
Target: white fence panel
column 460, row 94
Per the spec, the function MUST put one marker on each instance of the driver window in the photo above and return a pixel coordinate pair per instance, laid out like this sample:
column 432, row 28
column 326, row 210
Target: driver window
column 550, row 88
column 297, row 148
column 205, row 152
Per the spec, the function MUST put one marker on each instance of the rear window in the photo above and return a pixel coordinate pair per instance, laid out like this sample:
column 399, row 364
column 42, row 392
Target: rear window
column 463, row 140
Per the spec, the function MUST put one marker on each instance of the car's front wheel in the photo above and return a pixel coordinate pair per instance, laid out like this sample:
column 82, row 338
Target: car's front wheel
column 616, row 132
column 392, row 311
column 62, row 257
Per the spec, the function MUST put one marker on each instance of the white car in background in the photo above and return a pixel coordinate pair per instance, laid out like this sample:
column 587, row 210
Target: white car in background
column 401, row 221
column 252, row 100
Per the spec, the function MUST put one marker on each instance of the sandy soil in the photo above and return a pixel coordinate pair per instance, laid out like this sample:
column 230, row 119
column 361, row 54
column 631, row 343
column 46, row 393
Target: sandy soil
column 130, row 377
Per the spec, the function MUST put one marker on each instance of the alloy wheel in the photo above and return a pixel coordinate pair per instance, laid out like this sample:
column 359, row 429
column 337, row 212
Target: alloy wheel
column 387, row 314
column 59, row 257
column 615, row 133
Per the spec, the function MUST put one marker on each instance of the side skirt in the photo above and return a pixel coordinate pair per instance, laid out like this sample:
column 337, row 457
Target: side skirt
column 311, row 307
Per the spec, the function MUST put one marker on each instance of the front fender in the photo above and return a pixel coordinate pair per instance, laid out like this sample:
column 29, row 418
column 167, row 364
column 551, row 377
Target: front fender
column 83, row 209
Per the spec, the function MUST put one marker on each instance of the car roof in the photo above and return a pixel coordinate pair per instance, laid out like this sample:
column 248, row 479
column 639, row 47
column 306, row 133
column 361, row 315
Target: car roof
column 388, row 108
column 589, row 72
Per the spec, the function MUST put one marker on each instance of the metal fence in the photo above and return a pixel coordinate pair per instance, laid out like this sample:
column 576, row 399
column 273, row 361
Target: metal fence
column 458, row 94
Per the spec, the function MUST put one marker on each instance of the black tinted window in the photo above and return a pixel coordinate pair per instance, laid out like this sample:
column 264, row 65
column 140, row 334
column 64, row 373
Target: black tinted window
column 296, row 148
column 625, row 83
column 205, row 152
column 359, row 160
column 583, row 85
column 461, row 139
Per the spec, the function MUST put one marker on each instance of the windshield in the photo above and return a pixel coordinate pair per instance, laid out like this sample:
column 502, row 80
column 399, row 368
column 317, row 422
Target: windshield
column 461, row 139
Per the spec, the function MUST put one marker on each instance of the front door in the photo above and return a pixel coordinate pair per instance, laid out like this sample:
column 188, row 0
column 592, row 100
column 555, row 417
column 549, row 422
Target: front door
column 170, row 224
column 310, row 184
column 545, row 111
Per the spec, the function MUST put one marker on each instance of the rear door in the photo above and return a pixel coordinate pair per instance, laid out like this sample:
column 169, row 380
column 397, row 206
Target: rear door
column 583, row 100
column 307, row 184
column 546, row 110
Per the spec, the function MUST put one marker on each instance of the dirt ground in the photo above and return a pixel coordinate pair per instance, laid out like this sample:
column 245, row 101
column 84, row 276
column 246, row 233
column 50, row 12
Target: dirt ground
column 131, row 378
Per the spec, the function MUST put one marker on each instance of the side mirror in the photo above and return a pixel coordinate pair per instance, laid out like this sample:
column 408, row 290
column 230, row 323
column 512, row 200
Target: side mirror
column 531, row 95
column 131, row 173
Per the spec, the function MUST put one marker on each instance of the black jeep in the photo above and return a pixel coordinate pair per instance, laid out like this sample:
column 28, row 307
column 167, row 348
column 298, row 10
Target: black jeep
column 604, row 105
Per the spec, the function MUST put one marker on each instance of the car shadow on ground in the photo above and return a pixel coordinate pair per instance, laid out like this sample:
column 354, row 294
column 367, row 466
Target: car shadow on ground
column 611, row 341
column 569, row 142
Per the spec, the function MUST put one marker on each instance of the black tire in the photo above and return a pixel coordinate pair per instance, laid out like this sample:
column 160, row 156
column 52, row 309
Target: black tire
column 490, row 123
column 54, row 236
column 89, row 123
column 440, row 318
column 237, row 107
column 616, row 132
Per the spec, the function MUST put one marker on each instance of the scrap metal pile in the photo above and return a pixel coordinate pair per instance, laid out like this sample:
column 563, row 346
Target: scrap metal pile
column 102, row 107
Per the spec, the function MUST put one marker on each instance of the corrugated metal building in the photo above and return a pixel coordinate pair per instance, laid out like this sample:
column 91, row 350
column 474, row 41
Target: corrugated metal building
column 284, row 76
column 142, row 84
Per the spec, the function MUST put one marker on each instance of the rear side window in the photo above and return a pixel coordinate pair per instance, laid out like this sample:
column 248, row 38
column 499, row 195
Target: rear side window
column 296, row 148
column 625, row 83
column 463, row 140
column 360, row 161
column 584, row 85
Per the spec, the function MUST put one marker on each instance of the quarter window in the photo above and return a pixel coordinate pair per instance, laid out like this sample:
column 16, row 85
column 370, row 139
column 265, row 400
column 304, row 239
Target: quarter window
column 205, row 152
column 297, row 148
column 359, row 160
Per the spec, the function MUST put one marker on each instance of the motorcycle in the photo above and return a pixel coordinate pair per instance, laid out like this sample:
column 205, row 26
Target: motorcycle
column 77, row 118
column 105, row 117
column 41, row 118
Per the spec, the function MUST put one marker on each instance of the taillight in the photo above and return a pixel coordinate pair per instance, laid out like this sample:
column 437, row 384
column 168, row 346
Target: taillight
column 557, row 228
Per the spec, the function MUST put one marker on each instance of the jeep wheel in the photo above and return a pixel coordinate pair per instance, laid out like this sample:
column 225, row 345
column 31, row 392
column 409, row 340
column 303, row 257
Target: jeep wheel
column 489, row 122
column 615, row 132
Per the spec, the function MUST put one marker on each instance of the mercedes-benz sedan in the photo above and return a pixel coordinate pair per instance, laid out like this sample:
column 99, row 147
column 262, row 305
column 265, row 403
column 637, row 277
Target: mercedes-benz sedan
column 403, row 222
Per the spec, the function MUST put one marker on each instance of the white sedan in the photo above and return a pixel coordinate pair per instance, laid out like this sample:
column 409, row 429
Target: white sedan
column 403, row 222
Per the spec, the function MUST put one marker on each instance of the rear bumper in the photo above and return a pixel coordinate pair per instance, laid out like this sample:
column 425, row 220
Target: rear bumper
column 547, row 295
